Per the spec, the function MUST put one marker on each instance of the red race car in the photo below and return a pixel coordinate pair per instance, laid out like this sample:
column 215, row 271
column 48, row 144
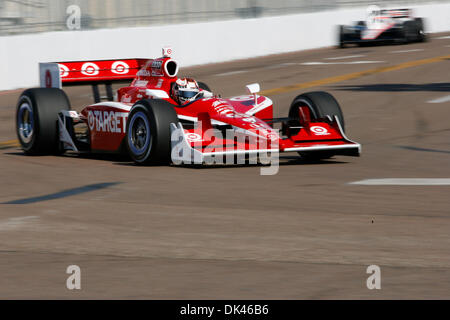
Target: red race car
column 160, row 118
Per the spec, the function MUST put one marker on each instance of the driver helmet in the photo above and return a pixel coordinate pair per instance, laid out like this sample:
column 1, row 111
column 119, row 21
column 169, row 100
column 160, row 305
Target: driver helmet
column 373, row 11
column 185, row 90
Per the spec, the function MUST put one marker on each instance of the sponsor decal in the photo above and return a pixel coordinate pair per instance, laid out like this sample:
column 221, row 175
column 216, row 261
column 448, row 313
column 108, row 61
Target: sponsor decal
column 156, row 64
column 193, row 137
column 167, row 52
column 120, row 67
column 90, row 69
column 223, row 108
column 144, row 73
column 63, row 70
column 320, row 131
column 243, row 98
column 107, row 121
column 157, row 68
column 126, row 99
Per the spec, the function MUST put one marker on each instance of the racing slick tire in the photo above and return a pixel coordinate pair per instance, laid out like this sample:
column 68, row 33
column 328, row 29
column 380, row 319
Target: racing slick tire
column 37, row 119
column 420, row 30
column 204, row 86
column 409, row 31
column 341, row 37
column 148, row 131
column 320, row 104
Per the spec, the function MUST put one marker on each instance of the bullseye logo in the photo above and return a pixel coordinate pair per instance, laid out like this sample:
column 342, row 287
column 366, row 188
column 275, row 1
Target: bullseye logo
column 320, row 131
column 63, row 71
column 90, row 69
column 120, row 67
column 167, row 51
column 193, row 137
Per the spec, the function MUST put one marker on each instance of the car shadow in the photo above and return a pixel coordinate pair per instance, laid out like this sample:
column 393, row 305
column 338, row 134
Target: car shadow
column 284, row 161
column 423, row 149
column 124, row 160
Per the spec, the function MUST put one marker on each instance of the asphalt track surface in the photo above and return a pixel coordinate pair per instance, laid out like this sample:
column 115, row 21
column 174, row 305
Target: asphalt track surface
column 231, row 233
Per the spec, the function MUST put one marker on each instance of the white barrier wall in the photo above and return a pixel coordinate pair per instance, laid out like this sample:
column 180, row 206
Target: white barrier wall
column 193, row 44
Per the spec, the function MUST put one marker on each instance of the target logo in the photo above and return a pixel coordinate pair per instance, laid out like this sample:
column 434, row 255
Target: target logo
column 193, row 137
column 120, row 67
column 167, row 51
column 90, row 69
column 63, row 71
column 320, row 131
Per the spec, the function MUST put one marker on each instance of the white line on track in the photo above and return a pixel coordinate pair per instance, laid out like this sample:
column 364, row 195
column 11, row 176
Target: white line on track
column 281, row 65
column 404, row 182
column 230, row 73
column 440, row 100
column 346, row 57
column 444, row 37
column 15, row 223
column 314, row 63
column 410, row 50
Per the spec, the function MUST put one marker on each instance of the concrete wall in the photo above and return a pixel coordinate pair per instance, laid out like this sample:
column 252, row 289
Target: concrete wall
column 193, row 44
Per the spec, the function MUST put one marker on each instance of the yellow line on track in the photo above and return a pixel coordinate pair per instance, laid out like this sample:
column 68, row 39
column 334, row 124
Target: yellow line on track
column 9, row 143
column 320, row 82
column 351, row 76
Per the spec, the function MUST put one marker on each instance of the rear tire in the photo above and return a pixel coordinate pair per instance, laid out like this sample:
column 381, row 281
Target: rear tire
column 148, row 131
column 204, row 86
column 409, row 31
column 320, row 104
column 341, row 37
column 420, row 29
column 37, row 119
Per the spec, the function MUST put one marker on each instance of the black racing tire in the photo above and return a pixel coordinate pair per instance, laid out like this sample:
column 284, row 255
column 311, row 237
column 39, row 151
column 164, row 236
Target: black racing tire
column 420, row 30
column 409, row 31
column 148, row 136
column 37, row 119
column 341, row 37
column 204, row 86
column 321, row 105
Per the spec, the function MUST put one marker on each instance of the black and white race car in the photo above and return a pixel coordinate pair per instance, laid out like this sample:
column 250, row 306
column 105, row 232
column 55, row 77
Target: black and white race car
column 388, row 25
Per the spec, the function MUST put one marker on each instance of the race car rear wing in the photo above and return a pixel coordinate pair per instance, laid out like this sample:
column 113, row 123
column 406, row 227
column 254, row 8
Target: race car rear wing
column 73, row 73
column 397, row 13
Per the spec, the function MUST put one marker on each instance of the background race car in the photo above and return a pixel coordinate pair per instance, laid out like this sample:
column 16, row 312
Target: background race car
column 389, row 25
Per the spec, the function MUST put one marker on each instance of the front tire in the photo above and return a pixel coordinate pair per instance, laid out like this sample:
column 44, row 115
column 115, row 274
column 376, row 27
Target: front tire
column 319, row 105
column 148, row 131
column 37, row 119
